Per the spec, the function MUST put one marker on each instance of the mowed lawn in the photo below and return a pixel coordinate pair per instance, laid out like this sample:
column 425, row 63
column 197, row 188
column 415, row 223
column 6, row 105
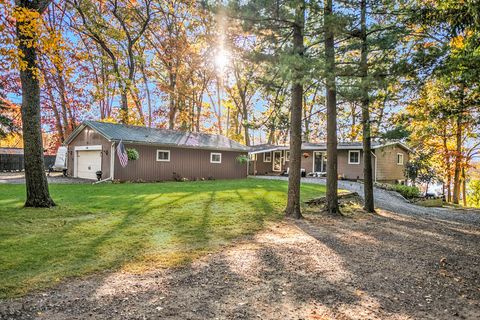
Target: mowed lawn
column 134, row 227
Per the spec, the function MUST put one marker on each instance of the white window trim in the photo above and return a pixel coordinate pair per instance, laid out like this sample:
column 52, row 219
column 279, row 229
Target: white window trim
column 353, row 151
column 163, row 160
column 400, row 163
column 264, row 154
column 215, row 153
column 286, row 158
column 273, row 161
column 324, row 154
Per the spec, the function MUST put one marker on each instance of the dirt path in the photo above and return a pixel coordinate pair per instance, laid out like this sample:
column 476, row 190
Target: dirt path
column 373, row 267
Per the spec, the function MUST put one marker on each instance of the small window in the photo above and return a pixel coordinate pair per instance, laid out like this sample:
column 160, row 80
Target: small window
column 267, row 157
column 400, row 159
column 253, row 157
column 215, row 157
column 353, row 157
column 163, row 155
column 287, row 155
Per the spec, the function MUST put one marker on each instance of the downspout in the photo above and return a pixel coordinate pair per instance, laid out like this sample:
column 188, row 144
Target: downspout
column 112, row 161
column 373, row 154
column 112, row 165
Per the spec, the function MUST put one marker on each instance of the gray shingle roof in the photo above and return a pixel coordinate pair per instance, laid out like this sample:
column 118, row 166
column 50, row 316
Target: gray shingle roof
column 354, row 145
column 164, row 137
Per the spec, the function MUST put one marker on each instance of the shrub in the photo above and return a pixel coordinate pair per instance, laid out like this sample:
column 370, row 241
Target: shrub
column 133, row 154
column 242, row 159
column 408, row 192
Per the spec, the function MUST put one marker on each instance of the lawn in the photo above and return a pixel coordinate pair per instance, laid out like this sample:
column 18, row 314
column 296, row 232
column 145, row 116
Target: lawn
column 133, row 227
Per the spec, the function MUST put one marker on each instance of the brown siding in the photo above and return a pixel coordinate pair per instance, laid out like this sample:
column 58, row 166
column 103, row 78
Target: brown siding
column 263, row 168
column 345, row 170
column 187, row 163
column 89, row 137
column 260, row 166
column 349, row 171
column 387, row 168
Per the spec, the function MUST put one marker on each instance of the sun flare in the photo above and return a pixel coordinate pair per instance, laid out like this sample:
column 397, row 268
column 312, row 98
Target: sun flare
column 221, row 60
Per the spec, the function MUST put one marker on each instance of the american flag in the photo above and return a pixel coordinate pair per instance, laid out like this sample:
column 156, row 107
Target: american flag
column 122, row 154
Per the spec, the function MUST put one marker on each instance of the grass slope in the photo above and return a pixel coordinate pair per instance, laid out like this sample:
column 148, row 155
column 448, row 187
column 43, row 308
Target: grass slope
column 135, row 227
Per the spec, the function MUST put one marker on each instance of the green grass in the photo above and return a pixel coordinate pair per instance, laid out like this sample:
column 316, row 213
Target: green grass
column 134, row 227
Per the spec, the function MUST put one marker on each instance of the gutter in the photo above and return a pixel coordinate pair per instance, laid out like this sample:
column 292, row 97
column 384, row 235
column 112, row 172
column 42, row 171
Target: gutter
column 181, row 146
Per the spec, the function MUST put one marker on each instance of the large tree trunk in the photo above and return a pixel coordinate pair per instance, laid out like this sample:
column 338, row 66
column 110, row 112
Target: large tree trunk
column 293, row 201
column 36, row 180
column 331, row 102
column 367, row 148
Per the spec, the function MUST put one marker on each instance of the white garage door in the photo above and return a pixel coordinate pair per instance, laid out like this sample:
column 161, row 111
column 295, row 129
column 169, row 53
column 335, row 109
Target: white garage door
column 88, row 163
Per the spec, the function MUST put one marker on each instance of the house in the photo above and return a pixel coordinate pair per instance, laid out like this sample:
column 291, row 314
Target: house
column 163, row 154
column 388, row 161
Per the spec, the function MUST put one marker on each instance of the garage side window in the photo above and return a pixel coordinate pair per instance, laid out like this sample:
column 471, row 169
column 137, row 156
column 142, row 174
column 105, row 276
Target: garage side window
column 400, row 158
column 353, row 157
column 215, row 157
column 163, row 155
column 267, row 157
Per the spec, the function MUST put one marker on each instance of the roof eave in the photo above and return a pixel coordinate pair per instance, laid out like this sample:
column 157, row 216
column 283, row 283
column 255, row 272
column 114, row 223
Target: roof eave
column 170, row 145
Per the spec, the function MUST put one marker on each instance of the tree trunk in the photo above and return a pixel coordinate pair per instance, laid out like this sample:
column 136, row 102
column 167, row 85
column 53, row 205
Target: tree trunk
column 124, row 116
column 36, row 180
column 147, row 91
column 464, row 187
column 367, row 148
column 458, row 161
column 447, row 166
column 56, row 114
column 219, row 103
column 172, row 111
column 293, row 201
column 331, row 102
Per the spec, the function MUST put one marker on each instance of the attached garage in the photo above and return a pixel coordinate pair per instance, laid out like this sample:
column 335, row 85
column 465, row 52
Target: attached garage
column 88, row 161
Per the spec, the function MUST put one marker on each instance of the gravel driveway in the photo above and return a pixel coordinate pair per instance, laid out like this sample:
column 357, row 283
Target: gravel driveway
column 54, row 177
column 392, row 201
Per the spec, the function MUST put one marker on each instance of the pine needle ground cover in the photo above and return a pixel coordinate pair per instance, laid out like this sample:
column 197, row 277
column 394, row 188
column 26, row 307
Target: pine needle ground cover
column 132, row 227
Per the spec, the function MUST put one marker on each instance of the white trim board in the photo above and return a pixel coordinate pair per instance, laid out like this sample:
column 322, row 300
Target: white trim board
column 84, row 148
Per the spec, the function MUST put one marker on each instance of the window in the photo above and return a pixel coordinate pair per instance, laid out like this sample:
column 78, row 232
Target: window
column 400, row 159
column 287, row 155
column 163, row 155
column 267, row 157
column 215, row 157
column 253, row 157
column 354, row 157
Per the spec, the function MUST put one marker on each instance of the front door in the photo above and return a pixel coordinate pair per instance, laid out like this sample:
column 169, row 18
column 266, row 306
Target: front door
column 319, row 162
column 277, row 161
